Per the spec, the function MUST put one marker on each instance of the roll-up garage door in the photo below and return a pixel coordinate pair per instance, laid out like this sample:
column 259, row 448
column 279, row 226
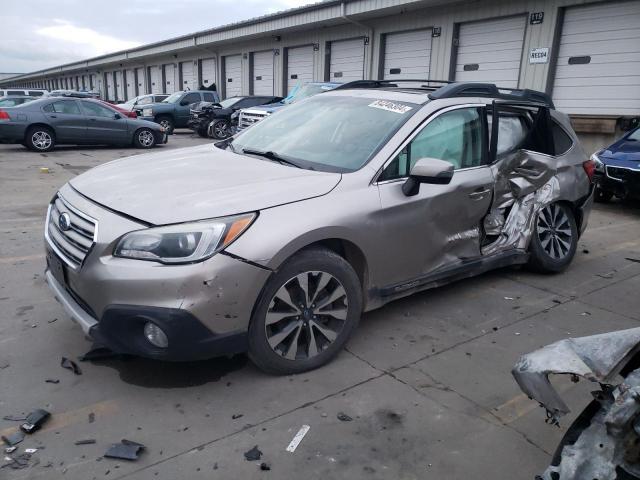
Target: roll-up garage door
column 299, row 66
column 346, row 60
column 491, row 51
column 187, row 76
column 155, row 76
column 111, row 93
column 119, row 85
column 92, row 82
column 262, row 73
column 130, row 81
column 169, row 78
column 407, row 55
column 85, row 82
column 598, row 67
column 208, row 71
column 142, row 85
column 233, row 75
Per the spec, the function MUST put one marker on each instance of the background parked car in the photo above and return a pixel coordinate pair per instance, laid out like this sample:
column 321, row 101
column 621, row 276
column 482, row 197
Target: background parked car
column 126, row 113
column 618, row 168
column 29, row 92
column 174, row 111
column 43, row 123
column 215, row 119
column 142, row 100
column 73, row 93
column 13, row 101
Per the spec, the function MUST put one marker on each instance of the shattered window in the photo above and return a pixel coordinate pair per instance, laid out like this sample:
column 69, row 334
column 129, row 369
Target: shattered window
column 512, row 131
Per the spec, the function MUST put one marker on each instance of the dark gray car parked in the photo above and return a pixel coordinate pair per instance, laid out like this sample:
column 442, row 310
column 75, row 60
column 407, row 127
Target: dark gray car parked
column 41, row 124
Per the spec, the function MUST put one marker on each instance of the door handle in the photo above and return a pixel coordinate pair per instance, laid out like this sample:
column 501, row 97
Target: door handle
column 53, row 116
column 479, row 194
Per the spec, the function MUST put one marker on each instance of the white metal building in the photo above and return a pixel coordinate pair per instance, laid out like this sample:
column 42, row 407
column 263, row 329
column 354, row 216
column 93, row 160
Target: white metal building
column 586, row 53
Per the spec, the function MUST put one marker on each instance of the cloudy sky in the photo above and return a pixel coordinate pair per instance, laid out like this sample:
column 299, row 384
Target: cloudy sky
column 38, row 34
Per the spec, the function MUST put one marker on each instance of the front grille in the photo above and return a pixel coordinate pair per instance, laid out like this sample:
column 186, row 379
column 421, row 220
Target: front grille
column 249, row 118
column 623, row 174
column 73, row 243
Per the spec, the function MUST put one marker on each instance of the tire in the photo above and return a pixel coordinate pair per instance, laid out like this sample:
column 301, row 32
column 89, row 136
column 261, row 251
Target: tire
column 554, row 240
column 167, row 122
column 203, row 132
column 291, row 340
column 220, row 129
column 144, row 138
column 602, row 196
column 40, row 139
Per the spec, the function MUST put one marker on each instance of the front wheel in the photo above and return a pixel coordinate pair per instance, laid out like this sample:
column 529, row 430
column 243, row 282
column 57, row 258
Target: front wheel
column 554, row 240
column 305, row 314
column 221, row 129
column 40, row 139
column 166, row 123
column 144, row 138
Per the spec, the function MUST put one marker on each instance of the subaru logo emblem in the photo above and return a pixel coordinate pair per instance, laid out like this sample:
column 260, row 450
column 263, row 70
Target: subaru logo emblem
column 64, row 221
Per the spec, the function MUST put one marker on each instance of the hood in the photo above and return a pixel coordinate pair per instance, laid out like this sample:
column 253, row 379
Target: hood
column 152, row 105
column 198, row 183
column 623, row 150
column 266, row 108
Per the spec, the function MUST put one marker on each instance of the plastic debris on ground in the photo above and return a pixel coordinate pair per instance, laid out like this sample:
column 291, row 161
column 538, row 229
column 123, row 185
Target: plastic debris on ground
column 97, row 352
column 125, row 450
column 35, row 420
column 253, row 454
column 88, row 441
column 13, row 439
column 265, row 466
column 343, row 417
column 70, row 365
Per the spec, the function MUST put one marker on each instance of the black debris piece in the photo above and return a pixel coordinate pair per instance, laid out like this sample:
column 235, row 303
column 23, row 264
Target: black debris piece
column 125, row 450
column 70, row 365
column 585, row 251
column 19, row 462
column 92, row 417
column 88, row 441
column 235, row 416
column 52, row 320
column 4, row 365
column 35, row 420
column 635, row 260
column 97, row 352
column 14, row 418
column 253, row 454
column 265, row 466
column 52, row 380
column 13, row 439
column 343, row 417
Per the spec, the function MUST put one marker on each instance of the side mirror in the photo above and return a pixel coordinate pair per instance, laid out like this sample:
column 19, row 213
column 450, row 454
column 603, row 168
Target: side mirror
column 117, row 116
column 427, row 170
column 184, row 103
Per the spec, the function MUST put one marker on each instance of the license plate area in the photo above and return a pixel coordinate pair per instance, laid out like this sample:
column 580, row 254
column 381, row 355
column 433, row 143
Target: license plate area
column 57, row 268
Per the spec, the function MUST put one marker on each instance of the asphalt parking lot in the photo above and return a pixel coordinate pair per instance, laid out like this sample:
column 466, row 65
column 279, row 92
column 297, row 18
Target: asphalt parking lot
column 425, row 380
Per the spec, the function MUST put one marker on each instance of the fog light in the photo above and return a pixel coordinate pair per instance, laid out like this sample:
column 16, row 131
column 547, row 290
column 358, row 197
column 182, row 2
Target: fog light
column 155, row 335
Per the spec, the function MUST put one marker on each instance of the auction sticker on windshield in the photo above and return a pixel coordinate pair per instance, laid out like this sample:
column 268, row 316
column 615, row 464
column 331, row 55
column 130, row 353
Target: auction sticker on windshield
column 390, row 106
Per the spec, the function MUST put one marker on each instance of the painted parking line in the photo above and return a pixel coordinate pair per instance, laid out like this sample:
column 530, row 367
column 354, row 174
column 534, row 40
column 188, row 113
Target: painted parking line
column 26, row 258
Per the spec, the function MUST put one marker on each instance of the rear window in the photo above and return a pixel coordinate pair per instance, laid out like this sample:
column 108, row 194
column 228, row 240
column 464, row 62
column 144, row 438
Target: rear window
column 209, row 97
column 562, row 142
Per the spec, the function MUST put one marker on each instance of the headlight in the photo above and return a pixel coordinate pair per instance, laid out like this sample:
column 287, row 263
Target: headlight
column 147, row 112
column 598, row 162
column 184, row 243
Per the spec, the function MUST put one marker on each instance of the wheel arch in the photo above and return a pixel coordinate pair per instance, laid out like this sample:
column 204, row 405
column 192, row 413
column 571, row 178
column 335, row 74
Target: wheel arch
column 39, row 124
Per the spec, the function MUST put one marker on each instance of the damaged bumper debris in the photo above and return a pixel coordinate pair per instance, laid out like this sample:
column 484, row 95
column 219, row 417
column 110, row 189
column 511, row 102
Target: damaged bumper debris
column 604, row 442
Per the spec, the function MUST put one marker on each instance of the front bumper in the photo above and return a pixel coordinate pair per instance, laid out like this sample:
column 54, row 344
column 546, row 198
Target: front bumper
column 198, row 123
column 205, row 307
column 623, row 182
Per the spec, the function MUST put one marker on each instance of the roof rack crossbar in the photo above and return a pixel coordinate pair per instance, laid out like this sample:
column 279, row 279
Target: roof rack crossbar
column 472, row 89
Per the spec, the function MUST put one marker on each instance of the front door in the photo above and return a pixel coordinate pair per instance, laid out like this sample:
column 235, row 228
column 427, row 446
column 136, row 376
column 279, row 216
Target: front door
column 441, row 225
column 102, row 125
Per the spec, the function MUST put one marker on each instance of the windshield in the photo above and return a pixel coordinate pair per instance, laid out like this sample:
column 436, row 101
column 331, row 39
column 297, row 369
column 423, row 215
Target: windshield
column 229, row 102
column 338, row 134
column 635, row 135
column 306, row 91
column 131, row 102
column 173, row 98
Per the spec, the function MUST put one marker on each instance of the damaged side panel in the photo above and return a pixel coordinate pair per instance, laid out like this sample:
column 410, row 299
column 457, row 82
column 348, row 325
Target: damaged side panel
column 605, row 439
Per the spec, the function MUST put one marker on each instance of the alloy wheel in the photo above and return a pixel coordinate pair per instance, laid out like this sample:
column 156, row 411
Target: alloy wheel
column 145, row 137
column 41, row 140
column 306, row 315
column 166, row 124
column 220, row 130
column 554, row 231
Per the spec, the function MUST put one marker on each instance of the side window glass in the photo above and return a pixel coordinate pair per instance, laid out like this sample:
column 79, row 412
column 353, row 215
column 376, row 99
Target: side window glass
column 209, row 97
column 66, row 107
column 561, row 141
column 95, row 110
column 48, row 108
column 512, row 131
column 455, row 137
column 191, row 98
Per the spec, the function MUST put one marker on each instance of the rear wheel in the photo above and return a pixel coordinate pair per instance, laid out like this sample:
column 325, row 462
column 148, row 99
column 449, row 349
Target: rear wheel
column 306, row 313
column 554, row 240
column 167, row 123
column 40, row 139
column 221, row 129
column 602, row 196
column 144, row 138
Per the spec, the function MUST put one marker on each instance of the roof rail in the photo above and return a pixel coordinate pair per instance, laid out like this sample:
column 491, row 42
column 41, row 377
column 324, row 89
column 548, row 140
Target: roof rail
column 388, row 83
column 472, row 89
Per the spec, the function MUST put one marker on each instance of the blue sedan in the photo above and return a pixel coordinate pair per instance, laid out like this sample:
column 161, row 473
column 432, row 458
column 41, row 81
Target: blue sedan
column 618, row 168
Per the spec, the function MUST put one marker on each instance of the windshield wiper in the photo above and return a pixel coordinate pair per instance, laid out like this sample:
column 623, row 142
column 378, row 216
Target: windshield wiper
column 271, row 156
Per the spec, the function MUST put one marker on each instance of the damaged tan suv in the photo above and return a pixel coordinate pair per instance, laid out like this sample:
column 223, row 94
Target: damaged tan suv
column 276, row 241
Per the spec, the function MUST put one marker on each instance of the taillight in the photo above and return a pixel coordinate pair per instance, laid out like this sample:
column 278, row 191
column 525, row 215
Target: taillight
column 589, row 168
column 4, row 115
